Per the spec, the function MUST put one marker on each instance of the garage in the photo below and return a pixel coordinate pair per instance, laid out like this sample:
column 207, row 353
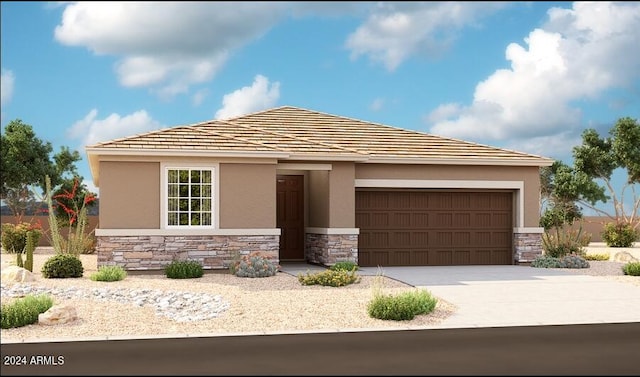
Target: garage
column 424, row 227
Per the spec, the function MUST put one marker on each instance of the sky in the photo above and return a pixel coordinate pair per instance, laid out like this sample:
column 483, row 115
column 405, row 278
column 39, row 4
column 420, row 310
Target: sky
column 527, row 76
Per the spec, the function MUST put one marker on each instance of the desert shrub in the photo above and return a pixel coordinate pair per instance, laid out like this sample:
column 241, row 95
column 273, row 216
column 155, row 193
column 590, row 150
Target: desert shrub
column 546, row 261
column 344, row 265
column 631, row 268
column 331, row 278
column 109, row 273
column 86, row 244
column 14, row 236
column 184, row 269
column 24, row 311
column 597, row 257
column 402, row 307
column 619, row 235
column 62, row 266
column 566, row 241
column 573, row 261
column 254, row 265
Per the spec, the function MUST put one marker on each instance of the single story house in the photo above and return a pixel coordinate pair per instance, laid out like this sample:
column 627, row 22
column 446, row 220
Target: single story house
column 303, row 185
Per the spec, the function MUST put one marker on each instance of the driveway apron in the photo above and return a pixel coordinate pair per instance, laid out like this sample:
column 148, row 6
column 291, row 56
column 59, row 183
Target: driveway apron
column 493, row 296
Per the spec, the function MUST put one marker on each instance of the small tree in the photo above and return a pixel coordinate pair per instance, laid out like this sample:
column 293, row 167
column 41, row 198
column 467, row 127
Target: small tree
column 24, row 164
column 589, row 181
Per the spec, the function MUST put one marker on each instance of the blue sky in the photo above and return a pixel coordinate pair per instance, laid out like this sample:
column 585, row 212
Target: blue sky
column 529, row 76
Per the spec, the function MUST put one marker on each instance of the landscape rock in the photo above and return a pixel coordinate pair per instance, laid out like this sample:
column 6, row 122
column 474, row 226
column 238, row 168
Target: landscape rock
column 15, row 274
column 58, row 314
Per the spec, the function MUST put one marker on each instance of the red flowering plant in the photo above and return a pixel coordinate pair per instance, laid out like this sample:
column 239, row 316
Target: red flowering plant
column 67, row 203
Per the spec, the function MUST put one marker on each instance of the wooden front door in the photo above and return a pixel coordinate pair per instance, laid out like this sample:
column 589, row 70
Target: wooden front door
column 290, row 216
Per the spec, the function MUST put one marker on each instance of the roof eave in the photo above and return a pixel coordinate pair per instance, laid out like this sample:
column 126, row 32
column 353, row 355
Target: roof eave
column 462, row 161
column 94, row 154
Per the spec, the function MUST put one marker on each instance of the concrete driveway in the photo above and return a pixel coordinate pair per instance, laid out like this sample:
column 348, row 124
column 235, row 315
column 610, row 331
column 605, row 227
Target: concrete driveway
column 494, row 296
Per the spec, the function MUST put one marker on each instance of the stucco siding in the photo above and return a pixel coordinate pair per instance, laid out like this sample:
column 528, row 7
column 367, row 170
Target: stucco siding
column 247, row 196
column 319, row 199
column 129, row 195
column 342, row 198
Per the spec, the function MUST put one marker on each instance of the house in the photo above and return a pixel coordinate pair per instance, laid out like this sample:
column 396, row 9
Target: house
column 302, row 185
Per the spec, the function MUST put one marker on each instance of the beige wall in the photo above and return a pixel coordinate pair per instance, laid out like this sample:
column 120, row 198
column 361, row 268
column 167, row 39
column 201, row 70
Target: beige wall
column 247, row 196
column 319, row 199
column 342, row 197
column 529, row 175
column 129, row 195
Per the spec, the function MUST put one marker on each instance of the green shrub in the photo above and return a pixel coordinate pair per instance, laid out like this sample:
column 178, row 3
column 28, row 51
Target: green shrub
column 109, row 273
column 546, row 261
column 619, row 235
column 62, row 266
column 330, row 278
column 24, row 311
column 402, row 307
column 184, row 269
column 562, row 242
column 254, row 265
column 631, row 268
column 14, row 236
column 597, row 257
column 344, row 265
column 573, row 261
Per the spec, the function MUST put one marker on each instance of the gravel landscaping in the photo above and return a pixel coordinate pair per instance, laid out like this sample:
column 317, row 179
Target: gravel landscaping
column 151, row 305
column 246, row 306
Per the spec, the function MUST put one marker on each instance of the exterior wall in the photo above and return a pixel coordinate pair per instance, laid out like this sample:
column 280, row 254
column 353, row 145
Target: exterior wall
column 155, row 252
column 342, row 196
column 129, row 195
column 327, row 249
column 528, row 174
column 319, row 198
column 247, row 196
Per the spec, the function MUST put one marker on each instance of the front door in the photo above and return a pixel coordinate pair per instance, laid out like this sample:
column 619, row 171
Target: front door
column 290, row 216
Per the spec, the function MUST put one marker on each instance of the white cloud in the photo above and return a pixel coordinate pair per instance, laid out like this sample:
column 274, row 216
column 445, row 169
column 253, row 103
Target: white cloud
column 7, row 81
column 377, row 104
column 580, row 53
column 259, row 96
column 92, row 130
column 167, row 46
column 395, row 31
column 199, row 97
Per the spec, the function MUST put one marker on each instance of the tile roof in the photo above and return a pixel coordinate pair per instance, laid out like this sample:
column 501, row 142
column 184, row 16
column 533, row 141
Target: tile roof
column 299, row 133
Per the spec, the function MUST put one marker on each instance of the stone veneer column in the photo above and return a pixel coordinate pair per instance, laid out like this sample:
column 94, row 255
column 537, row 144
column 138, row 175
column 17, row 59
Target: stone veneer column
column 327, row 249
column 527, row 246
column 155, row 252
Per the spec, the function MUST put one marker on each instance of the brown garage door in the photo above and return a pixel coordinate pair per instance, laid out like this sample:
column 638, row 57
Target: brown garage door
column 434, row 228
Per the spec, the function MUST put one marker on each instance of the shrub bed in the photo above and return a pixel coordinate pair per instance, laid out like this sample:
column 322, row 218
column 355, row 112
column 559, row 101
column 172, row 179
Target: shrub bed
column 24, row 311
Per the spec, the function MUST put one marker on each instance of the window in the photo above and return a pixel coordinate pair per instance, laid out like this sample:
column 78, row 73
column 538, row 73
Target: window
column 189, row 197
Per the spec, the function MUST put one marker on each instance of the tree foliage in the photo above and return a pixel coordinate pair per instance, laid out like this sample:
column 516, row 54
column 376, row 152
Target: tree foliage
column 26, row 161
column 589, row 181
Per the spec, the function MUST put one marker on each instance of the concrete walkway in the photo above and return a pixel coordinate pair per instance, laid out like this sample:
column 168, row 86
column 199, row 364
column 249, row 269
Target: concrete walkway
column 494, row 296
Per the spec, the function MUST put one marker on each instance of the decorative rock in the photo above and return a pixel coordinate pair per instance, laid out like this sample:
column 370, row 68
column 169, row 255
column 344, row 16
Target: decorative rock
column 16, row 274
column 58, row 314
column 176, row 306
column 624, row 256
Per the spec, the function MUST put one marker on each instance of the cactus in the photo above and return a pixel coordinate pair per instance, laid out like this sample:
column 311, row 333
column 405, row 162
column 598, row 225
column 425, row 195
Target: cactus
column 19, row 261
column 32, row 240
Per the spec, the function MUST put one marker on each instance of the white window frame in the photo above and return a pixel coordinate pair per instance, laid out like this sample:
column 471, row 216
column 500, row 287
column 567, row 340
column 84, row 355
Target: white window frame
column 215, row 191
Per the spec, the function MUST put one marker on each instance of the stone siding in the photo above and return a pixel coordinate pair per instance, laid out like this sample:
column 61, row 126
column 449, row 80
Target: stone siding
column 527, row 247
column 155, row 252
column 327, row 249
